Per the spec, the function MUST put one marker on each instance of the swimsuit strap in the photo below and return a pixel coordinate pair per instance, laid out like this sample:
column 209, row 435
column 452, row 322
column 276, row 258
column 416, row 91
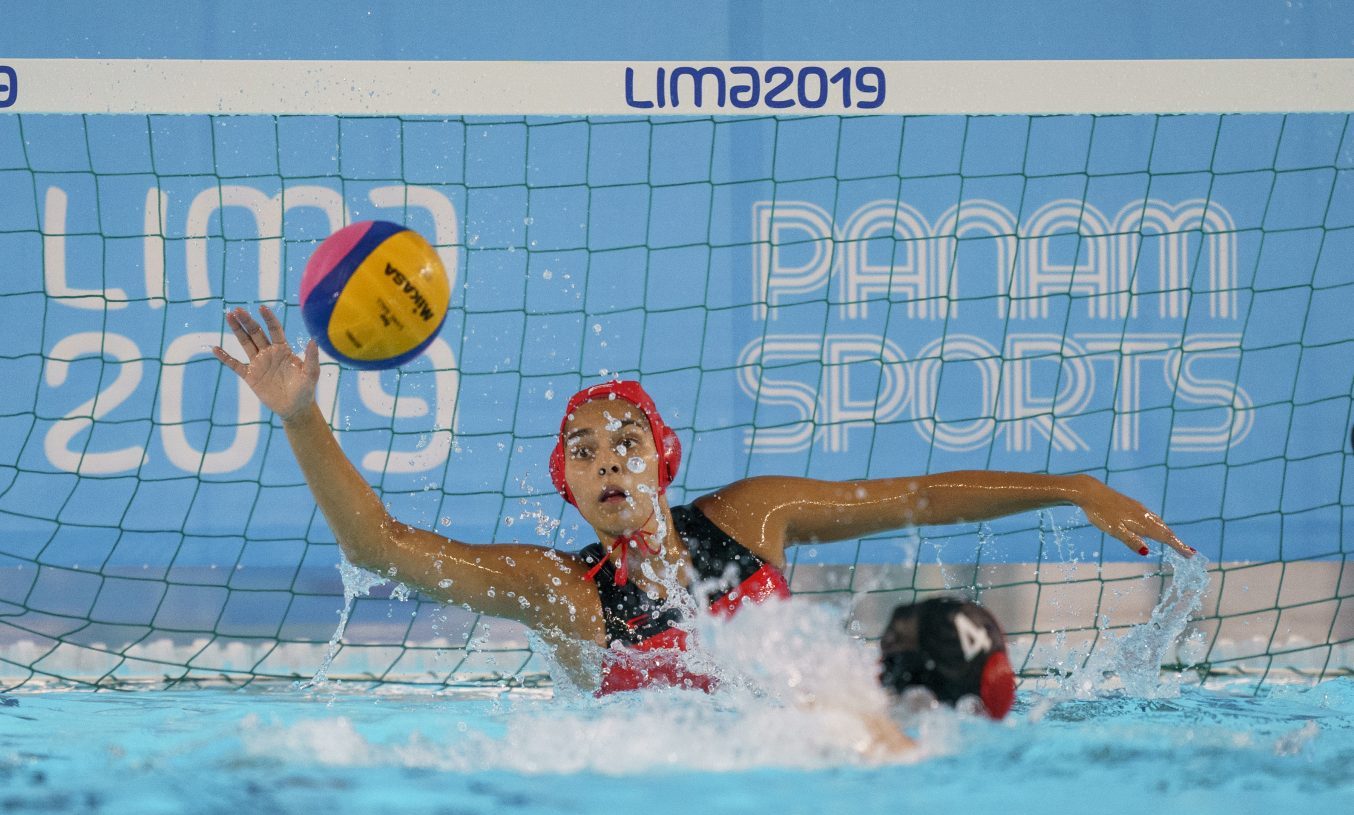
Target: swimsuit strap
column 630, row 614
column 712, row 549
column 640, row 537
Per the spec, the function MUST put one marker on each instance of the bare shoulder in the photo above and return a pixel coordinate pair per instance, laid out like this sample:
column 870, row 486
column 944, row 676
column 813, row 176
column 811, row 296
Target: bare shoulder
column 747, row 511
column 754, row 491
column 757, row 496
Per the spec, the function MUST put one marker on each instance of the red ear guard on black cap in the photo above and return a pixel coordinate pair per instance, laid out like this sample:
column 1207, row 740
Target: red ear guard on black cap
column 665, row 438
column 953, row 647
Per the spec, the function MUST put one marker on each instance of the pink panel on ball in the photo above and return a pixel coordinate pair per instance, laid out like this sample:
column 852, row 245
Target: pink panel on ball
column 334, row 249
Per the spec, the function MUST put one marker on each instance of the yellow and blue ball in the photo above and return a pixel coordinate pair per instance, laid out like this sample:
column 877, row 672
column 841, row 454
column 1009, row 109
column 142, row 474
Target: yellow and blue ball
column 374, row 295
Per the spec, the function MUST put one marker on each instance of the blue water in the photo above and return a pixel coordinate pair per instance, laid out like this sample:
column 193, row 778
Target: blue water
column 786, row 732
column 276, row 749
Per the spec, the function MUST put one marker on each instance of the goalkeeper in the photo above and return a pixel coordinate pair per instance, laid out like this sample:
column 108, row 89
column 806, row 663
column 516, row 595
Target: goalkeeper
column 630, row 592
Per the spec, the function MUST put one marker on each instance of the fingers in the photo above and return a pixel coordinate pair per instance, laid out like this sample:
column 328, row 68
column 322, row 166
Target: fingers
column 275, row 330
column 1135, row 542
column 251, row 335
column 229, row 361
column 254, row 330
column 241, row 332
column 312, row 362
column 1132, row 541
column 1168, row 537
column 1156, row 529
column 1131, row 522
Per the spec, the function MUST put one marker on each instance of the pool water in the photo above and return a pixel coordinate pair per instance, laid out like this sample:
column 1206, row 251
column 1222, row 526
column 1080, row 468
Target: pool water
column 785, row 732
column 276, row 750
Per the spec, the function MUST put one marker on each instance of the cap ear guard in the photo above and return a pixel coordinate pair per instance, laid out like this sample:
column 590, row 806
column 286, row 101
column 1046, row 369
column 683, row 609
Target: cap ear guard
column 557, row 472
column 669, row 458
column 997, row 688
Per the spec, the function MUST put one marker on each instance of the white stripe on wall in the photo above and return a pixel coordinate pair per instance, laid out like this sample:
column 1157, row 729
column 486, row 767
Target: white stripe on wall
column 544, row 88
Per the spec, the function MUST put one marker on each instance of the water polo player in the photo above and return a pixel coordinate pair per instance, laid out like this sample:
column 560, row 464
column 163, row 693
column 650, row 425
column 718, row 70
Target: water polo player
column 949, row 649
column 613, row 460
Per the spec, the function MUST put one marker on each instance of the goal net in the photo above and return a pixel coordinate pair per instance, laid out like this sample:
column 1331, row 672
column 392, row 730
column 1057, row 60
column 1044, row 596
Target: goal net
column 1160, row 301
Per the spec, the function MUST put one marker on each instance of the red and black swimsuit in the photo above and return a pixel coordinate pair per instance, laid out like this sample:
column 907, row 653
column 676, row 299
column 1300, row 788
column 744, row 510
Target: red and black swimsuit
column 640, row 622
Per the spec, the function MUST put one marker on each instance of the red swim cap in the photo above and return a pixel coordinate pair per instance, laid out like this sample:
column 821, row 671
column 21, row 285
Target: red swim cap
column 665, row 439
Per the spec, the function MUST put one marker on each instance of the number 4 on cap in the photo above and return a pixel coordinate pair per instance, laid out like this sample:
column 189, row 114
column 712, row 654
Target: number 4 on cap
column 973, row 638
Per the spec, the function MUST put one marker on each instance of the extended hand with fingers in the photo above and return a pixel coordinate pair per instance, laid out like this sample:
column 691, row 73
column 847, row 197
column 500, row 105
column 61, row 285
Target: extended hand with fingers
column 1116, row 514
column 279, row 378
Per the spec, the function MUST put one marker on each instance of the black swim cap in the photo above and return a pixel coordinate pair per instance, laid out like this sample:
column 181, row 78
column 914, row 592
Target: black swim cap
column 953, row 647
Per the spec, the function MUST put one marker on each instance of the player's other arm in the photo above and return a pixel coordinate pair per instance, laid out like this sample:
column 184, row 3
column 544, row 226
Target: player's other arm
column 784, row 511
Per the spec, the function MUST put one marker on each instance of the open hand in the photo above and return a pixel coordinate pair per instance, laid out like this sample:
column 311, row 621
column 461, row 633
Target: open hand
column 279, row 378
column 1116, row 514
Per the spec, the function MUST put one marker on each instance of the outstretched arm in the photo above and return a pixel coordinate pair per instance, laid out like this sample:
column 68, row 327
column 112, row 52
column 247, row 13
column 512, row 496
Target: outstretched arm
column 488, row 579
column 774, row 512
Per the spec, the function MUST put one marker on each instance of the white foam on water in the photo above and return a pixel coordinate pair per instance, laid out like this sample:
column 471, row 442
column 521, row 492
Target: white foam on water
column 796, row 690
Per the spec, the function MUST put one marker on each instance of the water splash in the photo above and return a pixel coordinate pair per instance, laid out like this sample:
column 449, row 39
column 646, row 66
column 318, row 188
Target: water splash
column 356, row 583
column 1135, row 658
column 796, row 691
column 660, row 517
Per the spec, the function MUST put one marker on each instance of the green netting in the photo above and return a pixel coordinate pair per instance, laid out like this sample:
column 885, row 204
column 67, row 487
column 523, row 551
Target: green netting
column 1159, row 301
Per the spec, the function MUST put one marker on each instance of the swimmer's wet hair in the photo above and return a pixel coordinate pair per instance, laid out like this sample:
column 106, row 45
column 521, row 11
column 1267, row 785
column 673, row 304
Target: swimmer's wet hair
column 952, row 647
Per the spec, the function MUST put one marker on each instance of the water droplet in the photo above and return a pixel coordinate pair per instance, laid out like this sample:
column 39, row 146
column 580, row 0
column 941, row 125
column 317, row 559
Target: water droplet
column 549, row 394
column 635, row 464
column 597, row 328
column 507, row 519
column 445, row 521
column 547, row 274
column 444, row 583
